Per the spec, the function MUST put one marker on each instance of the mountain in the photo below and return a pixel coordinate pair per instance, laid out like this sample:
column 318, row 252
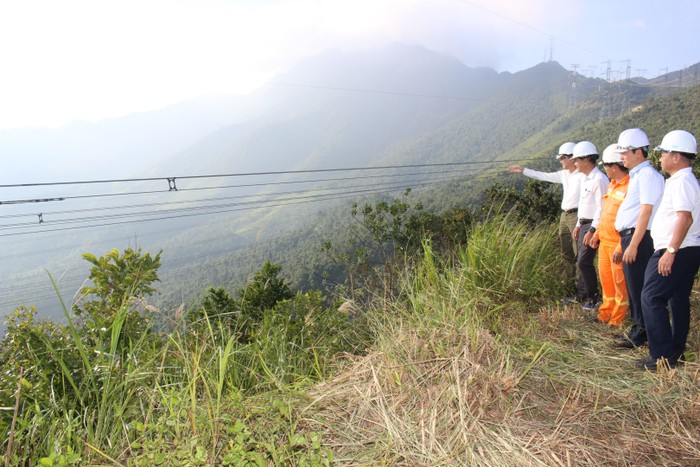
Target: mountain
column 399, row 106
column 343, row 109
column 115, row 147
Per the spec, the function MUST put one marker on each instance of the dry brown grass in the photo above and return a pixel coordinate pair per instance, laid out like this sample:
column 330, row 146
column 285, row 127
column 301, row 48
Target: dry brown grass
column 546, row 389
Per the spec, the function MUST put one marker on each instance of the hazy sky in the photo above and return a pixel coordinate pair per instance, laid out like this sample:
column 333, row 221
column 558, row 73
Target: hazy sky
column 90, row 59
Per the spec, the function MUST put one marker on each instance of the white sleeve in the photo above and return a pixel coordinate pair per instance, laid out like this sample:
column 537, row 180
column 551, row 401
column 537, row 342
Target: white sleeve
column 602, row 186
column 551, row 177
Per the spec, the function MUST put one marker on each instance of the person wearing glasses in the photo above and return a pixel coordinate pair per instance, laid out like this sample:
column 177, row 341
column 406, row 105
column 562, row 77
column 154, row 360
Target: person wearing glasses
column 671, row 270
column 570, row 179
column 633, row 222
column 613, row 309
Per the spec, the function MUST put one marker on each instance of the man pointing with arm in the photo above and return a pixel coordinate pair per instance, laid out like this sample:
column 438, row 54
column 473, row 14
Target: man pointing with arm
column 569, row 178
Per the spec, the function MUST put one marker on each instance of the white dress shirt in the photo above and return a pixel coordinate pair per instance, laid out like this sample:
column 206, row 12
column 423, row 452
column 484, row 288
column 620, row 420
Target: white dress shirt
column 646, row 187
column 593, row 187
column 571, row 181
column 681, row 193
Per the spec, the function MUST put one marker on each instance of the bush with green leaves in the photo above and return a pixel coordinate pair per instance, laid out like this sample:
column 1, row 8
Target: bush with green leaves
column 390, row 236
column 73, row 384
column 534, row 203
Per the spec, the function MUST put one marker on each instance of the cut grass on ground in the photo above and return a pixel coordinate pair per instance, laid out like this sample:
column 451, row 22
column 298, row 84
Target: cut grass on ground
column 546, row 389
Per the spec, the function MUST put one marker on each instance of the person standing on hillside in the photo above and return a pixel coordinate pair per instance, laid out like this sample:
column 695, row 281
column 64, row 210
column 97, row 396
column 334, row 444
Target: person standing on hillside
column 671, row 271
column 632, row 222
column 613, row 309
column 590, row 208
column 569, row 178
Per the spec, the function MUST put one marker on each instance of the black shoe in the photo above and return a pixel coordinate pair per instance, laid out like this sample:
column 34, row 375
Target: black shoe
column 627, row 344
column 652, row 364
column 646, row 363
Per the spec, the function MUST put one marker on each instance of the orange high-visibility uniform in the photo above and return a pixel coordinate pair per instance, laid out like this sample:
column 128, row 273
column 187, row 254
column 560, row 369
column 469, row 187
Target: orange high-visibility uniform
column 612, row 280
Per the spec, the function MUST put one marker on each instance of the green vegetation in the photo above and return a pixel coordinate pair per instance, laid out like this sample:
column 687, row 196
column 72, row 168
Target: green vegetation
column 107, row 388
column 451, row 353
column 418, row 330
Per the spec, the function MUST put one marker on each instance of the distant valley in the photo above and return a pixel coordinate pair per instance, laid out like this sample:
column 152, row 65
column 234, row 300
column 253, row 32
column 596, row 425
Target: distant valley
column 258, row 177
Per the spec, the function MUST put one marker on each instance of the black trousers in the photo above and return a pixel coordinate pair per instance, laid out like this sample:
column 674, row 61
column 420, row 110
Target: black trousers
column 634, row 276
column 667, row 338
column 588, row 282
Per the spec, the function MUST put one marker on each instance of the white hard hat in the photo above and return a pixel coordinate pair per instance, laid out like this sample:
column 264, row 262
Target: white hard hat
column 584, row 149
column 630, row 139
column 679, row 141
column 566, row 149
column 610, row 156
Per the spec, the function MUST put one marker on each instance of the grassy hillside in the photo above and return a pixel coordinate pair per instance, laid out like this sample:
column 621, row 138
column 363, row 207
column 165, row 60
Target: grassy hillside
column 397, row 107
column 299, row 251
column 474, row 362
column 459, row 378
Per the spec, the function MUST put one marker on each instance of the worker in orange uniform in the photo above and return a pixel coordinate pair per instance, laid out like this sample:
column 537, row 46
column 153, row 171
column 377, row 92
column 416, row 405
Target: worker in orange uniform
column 613, row 309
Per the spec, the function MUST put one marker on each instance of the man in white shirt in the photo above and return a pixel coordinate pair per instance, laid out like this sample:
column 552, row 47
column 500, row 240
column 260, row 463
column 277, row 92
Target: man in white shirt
column 594, row 184
column 672, row 268
column 569, row 178
column 632, row 222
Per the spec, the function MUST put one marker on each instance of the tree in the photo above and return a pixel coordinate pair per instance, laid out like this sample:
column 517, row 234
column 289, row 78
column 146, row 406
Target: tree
column 263, row 292
column 108, row 308
column 117, row 278
column 393, row 232
column 218, row 312
column 535, row 204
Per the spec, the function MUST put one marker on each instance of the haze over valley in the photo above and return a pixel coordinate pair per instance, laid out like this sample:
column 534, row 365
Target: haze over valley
column 215, row 182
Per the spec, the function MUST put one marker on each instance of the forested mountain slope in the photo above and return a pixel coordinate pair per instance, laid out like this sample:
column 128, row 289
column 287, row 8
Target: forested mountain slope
column 299, row 252
column 396, row 107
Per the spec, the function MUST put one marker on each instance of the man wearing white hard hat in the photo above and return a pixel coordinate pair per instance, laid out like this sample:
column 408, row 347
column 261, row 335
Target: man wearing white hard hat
column 671, row 270
column 633, row 222
column 569, row 178
column 594, row 184
column 613, row 309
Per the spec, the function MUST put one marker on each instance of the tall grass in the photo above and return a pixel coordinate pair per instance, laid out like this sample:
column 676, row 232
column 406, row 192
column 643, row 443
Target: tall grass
column 463, row 374
column 99, row 396
column 79, row 396
column 473, row 364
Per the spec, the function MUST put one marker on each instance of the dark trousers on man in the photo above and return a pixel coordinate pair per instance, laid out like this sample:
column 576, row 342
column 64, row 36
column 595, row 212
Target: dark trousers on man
column 634, row 276
column 667, row 339
column 589, row 277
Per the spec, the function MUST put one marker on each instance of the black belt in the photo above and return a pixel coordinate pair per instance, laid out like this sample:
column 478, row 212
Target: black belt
column 585, row 221
column 569, row 211
column 626, row 232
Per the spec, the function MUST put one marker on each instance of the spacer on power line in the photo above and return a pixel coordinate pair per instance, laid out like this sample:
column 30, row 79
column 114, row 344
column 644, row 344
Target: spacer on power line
column 41, row 217
column 171, row 184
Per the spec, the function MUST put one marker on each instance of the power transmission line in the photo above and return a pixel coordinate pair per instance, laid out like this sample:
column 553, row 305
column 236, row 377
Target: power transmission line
column 219, row 209
column 242, row 174
column 250, row 185
column 529, row 26
column 196, row 208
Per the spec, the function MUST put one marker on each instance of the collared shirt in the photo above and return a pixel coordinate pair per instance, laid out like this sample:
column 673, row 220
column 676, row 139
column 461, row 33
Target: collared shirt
column 681, row 193
column 646, row 187
column 593, row 187
column 569, row 180
column 617, row 190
